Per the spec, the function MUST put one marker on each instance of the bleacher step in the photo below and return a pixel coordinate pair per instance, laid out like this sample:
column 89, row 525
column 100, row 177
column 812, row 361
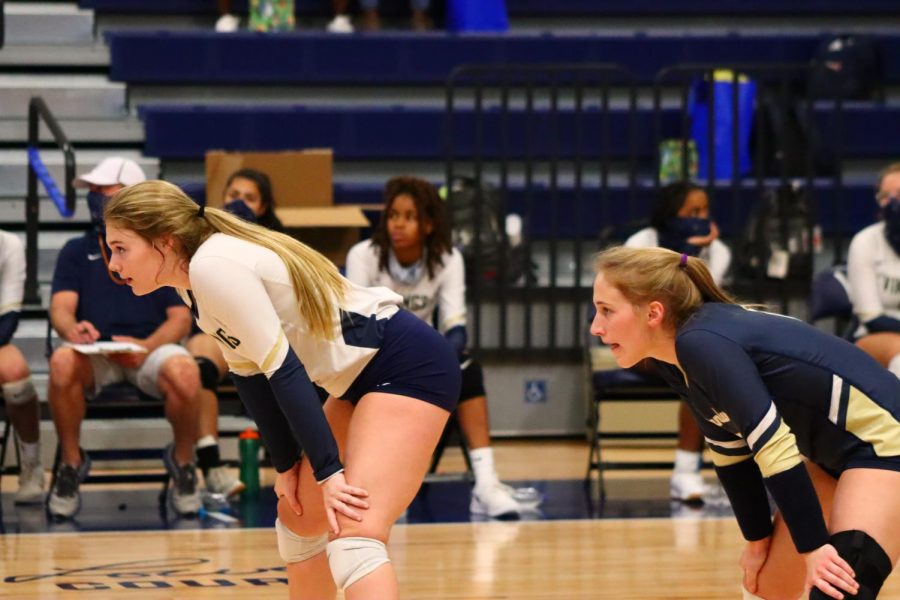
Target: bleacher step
column 29, row 23
column 14, row 166
column 84, row 55
column 127, row 130
column 80, row 96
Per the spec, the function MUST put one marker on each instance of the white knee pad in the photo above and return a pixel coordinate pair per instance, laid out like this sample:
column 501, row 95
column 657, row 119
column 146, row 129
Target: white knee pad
column 18, row 393
column 748, row 596
column 296, row 548
column 353, row 558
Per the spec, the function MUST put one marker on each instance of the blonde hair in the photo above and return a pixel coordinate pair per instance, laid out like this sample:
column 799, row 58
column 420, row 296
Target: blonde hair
column 646, row 274
column 155, row 209
column 888, row 170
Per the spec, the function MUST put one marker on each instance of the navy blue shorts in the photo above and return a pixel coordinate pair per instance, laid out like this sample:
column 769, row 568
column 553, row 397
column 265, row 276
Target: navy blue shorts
column 414, row 360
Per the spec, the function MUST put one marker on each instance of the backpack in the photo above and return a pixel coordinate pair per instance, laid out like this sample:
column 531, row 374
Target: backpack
column 493, row 248
column 779, row 238
column 846, row 67
column 786, row 135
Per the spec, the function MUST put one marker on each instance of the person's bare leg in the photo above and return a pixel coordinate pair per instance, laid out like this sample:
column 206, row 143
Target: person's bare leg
column 179, row 382
column 70, row 375
column 389, row 447
column 25, row 418
column 883, row 346
column 473, row 420
column 311, row 579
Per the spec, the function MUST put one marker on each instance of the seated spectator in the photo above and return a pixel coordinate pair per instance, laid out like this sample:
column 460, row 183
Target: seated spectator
column 21, row 399
column 680, row 221
column 227, row 22
column 88, row 304
column 248, row 194
column 370, row 21
column 873, row 268
column 411, row 253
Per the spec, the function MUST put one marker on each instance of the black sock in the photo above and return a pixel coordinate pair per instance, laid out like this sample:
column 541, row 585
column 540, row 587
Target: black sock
column 208, row 458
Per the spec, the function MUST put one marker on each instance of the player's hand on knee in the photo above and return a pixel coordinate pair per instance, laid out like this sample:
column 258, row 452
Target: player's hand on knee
column 827, row 571
column 287, row 486
column 341, row 497
column 752, row 560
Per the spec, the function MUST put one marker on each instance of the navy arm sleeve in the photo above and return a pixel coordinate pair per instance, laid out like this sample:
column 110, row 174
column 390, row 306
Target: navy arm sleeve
column 731, row 381
column 9, row 322
column 257, row 397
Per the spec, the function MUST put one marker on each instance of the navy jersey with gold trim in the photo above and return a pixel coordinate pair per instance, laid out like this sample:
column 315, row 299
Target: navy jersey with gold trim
column 771, row 387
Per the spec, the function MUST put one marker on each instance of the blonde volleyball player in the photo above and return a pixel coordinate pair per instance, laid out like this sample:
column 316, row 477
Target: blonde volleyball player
column 284, row 317
column 767, row 389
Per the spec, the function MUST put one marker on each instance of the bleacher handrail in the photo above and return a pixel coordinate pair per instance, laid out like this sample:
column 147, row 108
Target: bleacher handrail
column 39, row 111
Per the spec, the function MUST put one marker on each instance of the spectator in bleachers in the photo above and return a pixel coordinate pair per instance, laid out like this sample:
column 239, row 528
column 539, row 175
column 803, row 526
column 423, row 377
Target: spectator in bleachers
column 411, row 253
column 370, row 21
column 248, row 194
column 21, row 399
column 680, row 221
column 873, row 267
column 88, row 304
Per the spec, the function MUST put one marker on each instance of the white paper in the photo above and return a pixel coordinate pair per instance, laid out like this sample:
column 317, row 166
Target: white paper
column 105, row 347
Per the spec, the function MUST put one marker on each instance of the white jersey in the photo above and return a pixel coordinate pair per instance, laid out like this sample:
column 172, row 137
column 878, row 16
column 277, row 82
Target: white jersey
column 245, row 299
column 717, row 255
column 874, row 272
column 445, row 292
column 12, row 272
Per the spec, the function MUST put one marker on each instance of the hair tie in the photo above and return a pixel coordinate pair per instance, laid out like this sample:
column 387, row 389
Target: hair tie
column 200, row 210
column 684, row 258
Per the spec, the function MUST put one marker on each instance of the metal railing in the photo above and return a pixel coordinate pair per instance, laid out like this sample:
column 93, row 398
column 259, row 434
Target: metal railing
column 38, row 111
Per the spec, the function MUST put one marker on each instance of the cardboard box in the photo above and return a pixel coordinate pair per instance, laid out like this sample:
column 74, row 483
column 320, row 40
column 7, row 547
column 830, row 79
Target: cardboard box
column 302, row 187
column 299, row 177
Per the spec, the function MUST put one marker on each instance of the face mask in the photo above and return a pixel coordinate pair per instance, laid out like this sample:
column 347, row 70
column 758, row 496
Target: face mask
column 891, row 214
column 96, row 203
column 679, row 230
column 240, row 209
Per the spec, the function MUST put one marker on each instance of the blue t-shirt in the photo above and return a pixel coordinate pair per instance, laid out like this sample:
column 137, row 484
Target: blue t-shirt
column 112, row 308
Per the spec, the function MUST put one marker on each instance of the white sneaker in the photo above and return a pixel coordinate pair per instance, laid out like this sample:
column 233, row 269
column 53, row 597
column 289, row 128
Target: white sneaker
column 31, row 484
column 228, row 24
column 340, row 24
column 687, row 487
column 219, row 480
column 183, row 494
column 64, row 499
column 494, row 500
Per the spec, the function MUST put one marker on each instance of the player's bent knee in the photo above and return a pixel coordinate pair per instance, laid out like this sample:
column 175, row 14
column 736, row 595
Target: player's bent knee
column 866, row 557
column 295, row 548
column 352, row 558
column 209, row 373
column 19, row 393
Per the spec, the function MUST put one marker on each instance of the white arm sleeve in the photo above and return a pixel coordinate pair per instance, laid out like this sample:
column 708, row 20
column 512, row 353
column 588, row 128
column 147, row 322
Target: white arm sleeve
column 452, row 293
column 359, row 264
column 12, row 273
column 863, row 281
column 235, row 298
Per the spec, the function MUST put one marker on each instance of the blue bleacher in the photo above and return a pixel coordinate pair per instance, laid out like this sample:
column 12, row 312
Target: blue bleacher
column 544, row 8
column 357, row 133
column 205, row 57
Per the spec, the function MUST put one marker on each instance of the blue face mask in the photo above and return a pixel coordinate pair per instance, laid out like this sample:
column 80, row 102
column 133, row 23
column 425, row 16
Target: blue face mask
column 240, row 209
column 891, row 214
column 96, row 203
column 679, row 230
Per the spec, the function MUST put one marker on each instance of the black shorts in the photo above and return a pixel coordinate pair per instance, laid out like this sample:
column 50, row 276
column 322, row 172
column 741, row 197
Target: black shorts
column 472, row 378
column 414, row 360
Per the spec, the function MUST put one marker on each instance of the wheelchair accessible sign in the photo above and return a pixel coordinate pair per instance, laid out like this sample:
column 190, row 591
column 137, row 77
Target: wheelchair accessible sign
column 535, row 391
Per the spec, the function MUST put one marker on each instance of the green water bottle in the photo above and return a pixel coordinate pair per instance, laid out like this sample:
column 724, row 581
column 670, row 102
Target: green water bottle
column 248, row 444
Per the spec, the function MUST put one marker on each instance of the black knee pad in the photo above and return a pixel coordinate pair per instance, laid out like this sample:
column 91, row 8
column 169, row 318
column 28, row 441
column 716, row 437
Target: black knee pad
column 209, row 373
column 868, row 560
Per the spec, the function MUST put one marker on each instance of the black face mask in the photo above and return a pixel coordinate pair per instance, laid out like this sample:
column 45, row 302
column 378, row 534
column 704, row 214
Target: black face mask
column 679, row 230
column 891, row 215
column 240, row 209
column 96, row 203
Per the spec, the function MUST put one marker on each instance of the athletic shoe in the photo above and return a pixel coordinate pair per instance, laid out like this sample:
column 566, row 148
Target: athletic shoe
column 65, row 498
column 219, row 480
column 340, row 24
column 183, row 495
column 228, row 24
column 687, row 487
column 31, row 484
column 494, row 500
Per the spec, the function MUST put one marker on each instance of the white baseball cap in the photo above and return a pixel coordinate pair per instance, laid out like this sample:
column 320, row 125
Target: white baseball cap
column 111, row 171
